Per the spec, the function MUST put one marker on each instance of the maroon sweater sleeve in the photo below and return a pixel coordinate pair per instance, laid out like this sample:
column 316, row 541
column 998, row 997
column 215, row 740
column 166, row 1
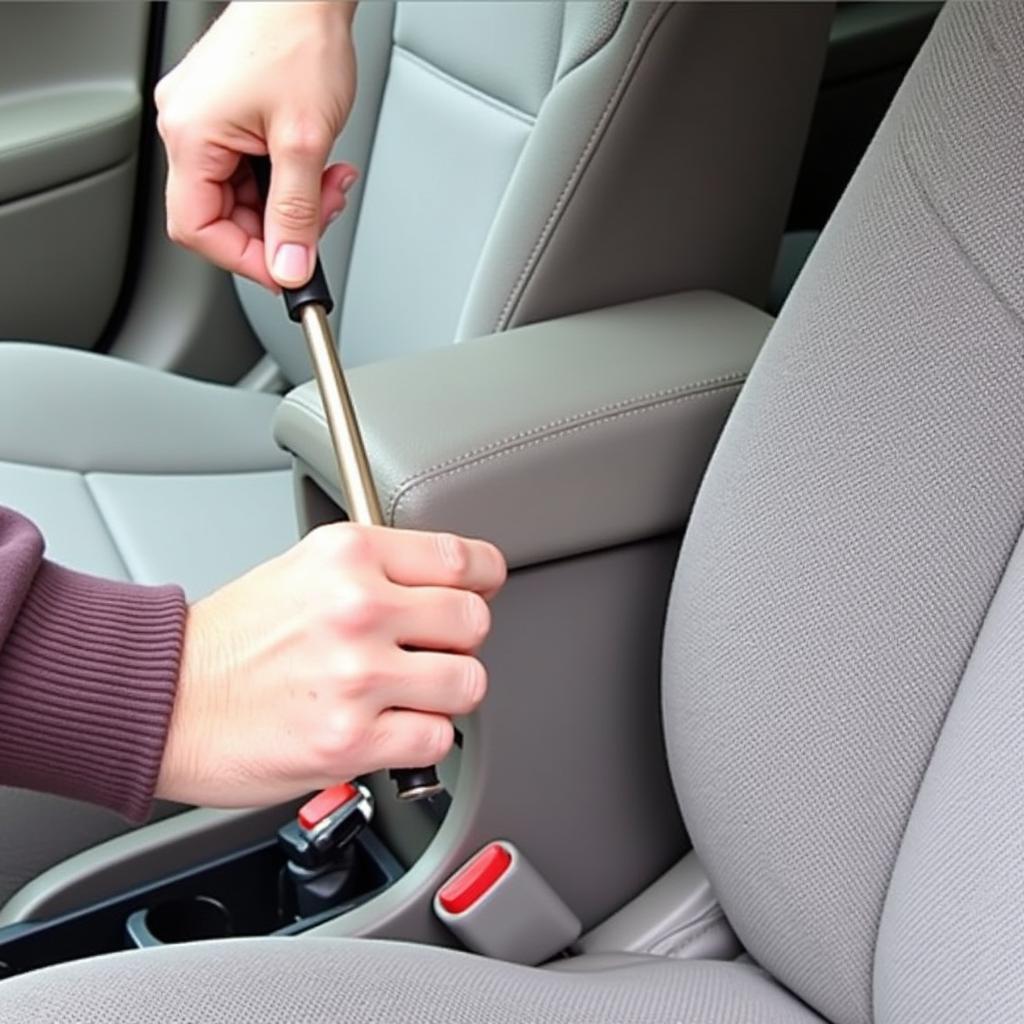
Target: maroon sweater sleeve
column 88, row 669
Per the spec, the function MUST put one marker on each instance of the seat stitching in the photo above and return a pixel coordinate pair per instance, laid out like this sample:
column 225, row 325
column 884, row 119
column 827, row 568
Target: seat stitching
column 106, row 526
column 598, row 133
column 457, row 83
column 409, row 486
column 708, row 383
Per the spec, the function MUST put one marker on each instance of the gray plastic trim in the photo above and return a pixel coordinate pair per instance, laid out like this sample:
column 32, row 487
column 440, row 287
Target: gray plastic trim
column 70, row 241
column 571, row 726
column 138, row 857
column 520, row 919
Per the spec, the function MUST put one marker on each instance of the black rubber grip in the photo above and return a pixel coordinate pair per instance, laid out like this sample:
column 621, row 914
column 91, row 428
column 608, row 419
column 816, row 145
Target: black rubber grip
column 316, row 289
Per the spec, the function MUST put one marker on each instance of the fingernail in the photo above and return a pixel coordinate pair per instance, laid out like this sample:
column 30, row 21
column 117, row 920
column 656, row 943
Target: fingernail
column 291, row 262
column 348, row 181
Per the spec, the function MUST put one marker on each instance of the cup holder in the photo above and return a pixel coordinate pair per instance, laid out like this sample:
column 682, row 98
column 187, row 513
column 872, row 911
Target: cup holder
column 187, row 920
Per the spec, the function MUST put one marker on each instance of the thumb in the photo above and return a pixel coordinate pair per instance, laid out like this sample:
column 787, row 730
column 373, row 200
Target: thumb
column 292, row 217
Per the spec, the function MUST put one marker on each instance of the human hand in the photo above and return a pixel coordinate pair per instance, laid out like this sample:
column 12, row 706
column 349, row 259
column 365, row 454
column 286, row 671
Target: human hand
column 299, row 674
column 275, row 78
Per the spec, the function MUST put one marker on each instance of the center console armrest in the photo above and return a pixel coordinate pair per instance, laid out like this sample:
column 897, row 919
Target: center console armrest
column 550, row 440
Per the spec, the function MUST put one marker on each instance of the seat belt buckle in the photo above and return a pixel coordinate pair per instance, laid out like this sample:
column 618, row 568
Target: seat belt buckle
column 326, row 823
column 499, row 905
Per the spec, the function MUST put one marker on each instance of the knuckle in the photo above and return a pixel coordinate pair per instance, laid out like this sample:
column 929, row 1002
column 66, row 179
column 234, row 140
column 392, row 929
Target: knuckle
column 454, row 554
column 302, row 139
column 345, row 737
column 172, row 121
column 358, row 676
column 340, row 542
column 296, row 212
column 358, row 608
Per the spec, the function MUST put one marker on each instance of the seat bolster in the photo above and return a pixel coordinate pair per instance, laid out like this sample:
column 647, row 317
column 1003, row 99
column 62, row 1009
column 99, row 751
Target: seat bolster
column 80, row 411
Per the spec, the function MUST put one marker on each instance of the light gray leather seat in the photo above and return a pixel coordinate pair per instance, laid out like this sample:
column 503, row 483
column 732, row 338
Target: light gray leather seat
column 842, row 673
column 528, row 160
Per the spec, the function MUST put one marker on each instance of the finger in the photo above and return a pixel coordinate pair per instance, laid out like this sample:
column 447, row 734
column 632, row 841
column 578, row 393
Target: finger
column 195, row 207
column 416, row 558
column 248, row 220
column 440, row 619
column 411, row 739
column 334, row 184
column 291, row 224
column 446, row 684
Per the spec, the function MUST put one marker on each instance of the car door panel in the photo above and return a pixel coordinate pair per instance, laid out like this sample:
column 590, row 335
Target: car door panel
column 71, row 80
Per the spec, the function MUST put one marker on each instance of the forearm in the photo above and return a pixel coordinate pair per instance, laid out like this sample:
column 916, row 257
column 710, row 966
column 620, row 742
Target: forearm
column 88, row 670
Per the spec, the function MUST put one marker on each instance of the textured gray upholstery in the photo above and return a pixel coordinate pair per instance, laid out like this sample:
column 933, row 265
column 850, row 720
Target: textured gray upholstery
column 851, row 532
column 327, row 981
column 949, row 947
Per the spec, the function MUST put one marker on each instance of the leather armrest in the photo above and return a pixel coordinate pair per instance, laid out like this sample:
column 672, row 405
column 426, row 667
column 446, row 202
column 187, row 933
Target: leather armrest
column 553, row 439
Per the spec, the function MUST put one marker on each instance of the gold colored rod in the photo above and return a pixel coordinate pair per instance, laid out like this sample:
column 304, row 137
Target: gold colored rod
column 347, row 441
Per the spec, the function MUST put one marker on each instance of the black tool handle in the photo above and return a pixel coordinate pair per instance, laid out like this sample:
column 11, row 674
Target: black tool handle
column 316, row 289
column 410, row 783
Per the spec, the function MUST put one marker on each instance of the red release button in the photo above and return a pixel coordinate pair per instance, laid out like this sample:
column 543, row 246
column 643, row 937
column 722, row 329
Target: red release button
column 313, row 811
column 475, row 879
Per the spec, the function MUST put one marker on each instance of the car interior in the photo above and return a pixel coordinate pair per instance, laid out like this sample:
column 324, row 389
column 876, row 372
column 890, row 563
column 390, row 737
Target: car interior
column 708, row 315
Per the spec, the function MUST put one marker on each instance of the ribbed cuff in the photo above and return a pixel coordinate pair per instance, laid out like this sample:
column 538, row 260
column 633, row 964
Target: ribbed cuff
column 87, row 682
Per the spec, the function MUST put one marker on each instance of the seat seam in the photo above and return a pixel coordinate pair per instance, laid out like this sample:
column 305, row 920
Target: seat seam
column 691, row 931
column 692, row 387
column 585, row 55
column 931, row 205
column 406, row 488
column 457, row 83
column 568, row 189
column 94, row 499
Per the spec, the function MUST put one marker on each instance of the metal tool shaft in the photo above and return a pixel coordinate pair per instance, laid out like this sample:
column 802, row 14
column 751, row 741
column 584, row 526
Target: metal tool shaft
column 346, row 438
column 356, row 480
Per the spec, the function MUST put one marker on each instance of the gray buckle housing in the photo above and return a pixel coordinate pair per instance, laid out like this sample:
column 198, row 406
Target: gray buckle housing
column 516, row 916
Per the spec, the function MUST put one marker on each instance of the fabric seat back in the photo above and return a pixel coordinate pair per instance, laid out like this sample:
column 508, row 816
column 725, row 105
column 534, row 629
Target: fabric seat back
column 843, row 664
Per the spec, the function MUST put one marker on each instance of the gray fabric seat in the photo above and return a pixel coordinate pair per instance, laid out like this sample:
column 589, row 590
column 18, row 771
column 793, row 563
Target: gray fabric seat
column 842, row 674
column 327, row 981
column 500, row 135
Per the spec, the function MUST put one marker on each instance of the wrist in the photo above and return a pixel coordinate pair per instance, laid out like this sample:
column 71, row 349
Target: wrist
column 187, row 753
